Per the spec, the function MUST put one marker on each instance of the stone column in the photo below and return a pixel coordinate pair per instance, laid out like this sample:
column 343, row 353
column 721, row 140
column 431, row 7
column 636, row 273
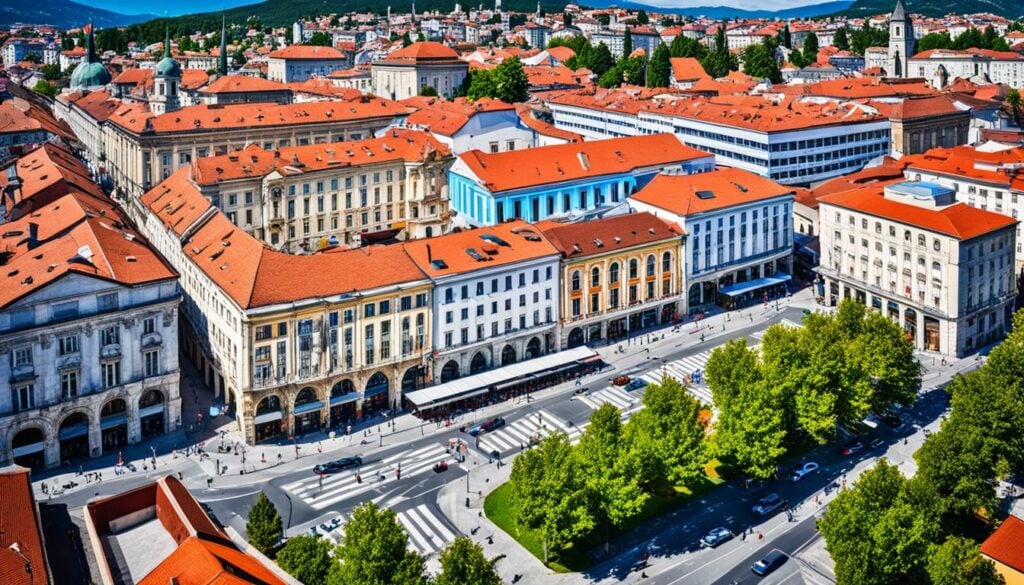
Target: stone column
column 51, row 452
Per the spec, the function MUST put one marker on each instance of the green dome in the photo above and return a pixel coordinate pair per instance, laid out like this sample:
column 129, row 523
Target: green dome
column 89, row 74
column 168, row 67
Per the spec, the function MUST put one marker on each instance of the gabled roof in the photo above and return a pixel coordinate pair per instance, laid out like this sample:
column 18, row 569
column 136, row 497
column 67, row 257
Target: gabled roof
column 609, row 234
column 424, row 51
column 242, row 84
column 1006, row 544
column 448, row 117
column 685, row 195
column 959, row 220
column 499, row 245
column 19, row 524
column 47, row 173
column 519, row 169
column 307, row 53
column 687, row 69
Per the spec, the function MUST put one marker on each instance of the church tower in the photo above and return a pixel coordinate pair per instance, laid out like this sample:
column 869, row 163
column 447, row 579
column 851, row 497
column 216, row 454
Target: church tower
column 166, row 81
column 901, row 41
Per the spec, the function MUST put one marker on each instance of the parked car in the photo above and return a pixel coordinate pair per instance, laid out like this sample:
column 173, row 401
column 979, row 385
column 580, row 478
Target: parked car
column 768, row 504
column 771, row 561
column 621, row 380
column 636, row 384
column 716, row 537
column 851, row 447
column 338, row 465
column 486, row 427
column 801, row 471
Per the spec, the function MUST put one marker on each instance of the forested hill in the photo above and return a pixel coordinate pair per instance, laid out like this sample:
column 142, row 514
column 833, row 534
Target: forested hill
column 1007, row 8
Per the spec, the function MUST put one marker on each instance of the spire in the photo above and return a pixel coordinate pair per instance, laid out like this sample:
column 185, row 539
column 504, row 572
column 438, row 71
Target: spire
column 90, row 46
column 899, row 14
column 223, row 62
column 167, row 41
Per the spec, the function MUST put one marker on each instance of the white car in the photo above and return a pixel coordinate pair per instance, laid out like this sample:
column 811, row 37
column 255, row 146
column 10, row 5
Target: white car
column 805, row 469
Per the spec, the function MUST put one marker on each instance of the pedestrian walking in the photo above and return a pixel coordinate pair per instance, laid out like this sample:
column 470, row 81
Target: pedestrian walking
column 760, row 536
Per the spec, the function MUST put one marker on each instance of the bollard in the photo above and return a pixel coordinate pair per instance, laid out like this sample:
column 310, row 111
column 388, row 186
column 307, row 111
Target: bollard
column 467, row 501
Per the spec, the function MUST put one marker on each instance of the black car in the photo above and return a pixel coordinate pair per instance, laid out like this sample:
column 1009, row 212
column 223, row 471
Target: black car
column 338, row 465
column 769, row 563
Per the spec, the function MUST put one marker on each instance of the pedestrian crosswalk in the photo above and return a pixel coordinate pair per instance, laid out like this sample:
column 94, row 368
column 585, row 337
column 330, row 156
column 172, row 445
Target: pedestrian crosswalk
column 320, row 493
column 785, row 323
column 689, row 370
column 427, row 532
column 614, row 395
column 518, row 434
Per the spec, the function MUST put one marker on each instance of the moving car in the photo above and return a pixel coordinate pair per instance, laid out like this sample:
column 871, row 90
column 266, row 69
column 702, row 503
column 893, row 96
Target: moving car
column 338, row 465
column 768, row 504
column 771, row 561
column 800, row 472
column 621, row 380
column 486, row 427
column 636, row 384
column 716, row 537
column 851, row 447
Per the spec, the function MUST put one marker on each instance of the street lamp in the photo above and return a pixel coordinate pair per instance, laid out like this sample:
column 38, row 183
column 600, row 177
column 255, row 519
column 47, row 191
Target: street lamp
column 16, row 549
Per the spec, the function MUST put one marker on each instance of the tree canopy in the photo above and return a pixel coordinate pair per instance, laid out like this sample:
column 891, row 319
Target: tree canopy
column 263, row 527
column 463, row 562
column 506, row 82
column 307, row 558
column 375, row 551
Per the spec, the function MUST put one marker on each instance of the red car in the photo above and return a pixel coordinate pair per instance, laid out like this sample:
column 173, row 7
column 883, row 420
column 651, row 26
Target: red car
column 621, row 380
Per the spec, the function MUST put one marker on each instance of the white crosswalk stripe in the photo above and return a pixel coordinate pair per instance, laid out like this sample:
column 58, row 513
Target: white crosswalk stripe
column 683, row 369
column 427, row 533
column 518, row 434
column 614, row 395
column 342, row 486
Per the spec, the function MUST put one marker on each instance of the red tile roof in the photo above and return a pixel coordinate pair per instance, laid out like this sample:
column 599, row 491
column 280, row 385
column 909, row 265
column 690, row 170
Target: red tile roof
column 524, row 242
column 202, row 562
column 448, row 117
column 959, row 220
column 601, row 236
column 307, row 53
column 561, row 54
column 1006, row 544
column 545, row 128
column 728, row 187
column 911, row 108
column 422, row 52
column 519, row 169
column 398, row 144
column 47, row 173
column 242, row 84
column 687, row 69
column 19, row 523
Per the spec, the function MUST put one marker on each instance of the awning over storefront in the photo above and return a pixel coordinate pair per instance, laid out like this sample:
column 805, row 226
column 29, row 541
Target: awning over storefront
column 109, row 422
column 72, row 431
column 344, row 398
column 308, row 407
column 151, row 410
column 268, row 417
column 503, row 377
column 741, row 287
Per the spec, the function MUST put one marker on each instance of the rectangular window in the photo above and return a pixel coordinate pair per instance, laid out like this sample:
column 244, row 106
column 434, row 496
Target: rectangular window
column 111, row 372
column 110, row 336
column 369, row 344
column 69, row 384
column 63, row 311
column 151, row 361
column 107, row 302
column 23, row 397
column 68, row 345
column 385, row 341
column 148, row 325
column 263, row 332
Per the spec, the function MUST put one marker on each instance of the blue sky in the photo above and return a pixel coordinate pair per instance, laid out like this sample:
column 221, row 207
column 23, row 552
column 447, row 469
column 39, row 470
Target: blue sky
column 176, row 7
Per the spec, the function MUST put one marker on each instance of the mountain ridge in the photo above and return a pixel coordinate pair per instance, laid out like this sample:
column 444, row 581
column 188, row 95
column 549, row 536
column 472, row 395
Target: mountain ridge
column 63, row 14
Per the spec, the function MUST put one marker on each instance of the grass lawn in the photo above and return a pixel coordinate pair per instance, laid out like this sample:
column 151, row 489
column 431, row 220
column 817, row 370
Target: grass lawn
column 574, row 558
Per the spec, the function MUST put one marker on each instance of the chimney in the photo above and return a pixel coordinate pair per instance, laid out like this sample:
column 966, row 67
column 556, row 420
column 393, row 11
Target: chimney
column 430, row 256
column 33, row 235
column 584, row 160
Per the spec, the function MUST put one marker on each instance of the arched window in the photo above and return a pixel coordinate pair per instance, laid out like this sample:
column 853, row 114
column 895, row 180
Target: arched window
column 595, row 277
column 936, row 267
column 666, row 262
column 633, row 268
column 650, row 265
column 575, row 280
column 921, row 240
column 613, row 273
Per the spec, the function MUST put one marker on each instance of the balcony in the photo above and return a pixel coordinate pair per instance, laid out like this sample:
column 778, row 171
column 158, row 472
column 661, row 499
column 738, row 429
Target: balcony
column 152, row 340
column 110, row 350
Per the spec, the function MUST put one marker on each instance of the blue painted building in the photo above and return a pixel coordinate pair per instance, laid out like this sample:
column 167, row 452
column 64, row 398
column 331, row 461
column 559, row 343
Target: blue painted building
column 566, row 179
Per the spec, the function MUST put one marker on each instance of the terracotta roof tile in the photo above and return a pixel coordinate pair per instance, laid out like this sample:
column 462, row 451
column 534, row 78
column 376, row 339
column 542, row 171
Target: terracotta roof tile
column 1006, row 544
column 19, row 524
column 517, row 241
column 958, row 220
column 307, row 53
column 686, row 195
column 422, row 51
column 448, row 117
column 518, row 169
column 545, row 128
column 241, row 84
column 601, row 236
column 687, row 69
column 47, row 173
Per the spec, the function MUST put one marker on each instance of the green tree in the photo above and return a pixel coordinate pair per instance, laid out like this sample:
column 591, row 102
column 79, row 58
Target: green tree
column 720, row 61
column 610, row 471
column 307, row 558
column 760, row 63
column 786, row 37
column 510, row 82
column 406, row 41
column 481, row 84
column 428, row 91
column 321, row 39
column 659, row 70
column 729, row 369
column 841, row 39
column 642, row 18
column 32, row 58
column 611, row 78
column 683, row 46
column 602, row 60
column 935, row 40
column 1015, row 105
column 263, row 527
column 375, row 551
column 627, row 43
column 666, row 436
column 463, row 562
column 46, row 88
column 547, row 493
column 868, row 36
column 567, row 18
column 67, row 43
column 50, row 72
column 958, row 562
column 879, row 532
column 811, row 48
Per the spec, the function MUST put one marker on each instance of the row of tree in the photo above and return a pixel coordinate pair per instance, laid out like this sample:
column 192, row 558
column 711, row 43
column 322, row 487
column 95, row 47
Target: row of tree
column 803, row 383
column 374, row 550
column 890, row 529
column 564, row 492
column 506, row 82
column 971, row 38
